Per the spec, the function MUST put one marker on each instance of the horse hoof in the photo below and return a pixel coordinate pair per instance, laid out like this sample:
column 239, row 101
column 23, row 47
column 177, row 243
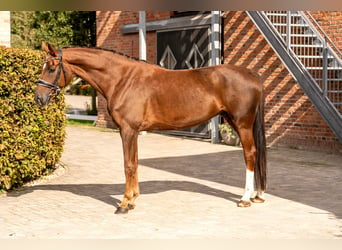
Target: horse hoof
column 121, row 210
column 257, row 199
column 242, row 203
column 131, row 206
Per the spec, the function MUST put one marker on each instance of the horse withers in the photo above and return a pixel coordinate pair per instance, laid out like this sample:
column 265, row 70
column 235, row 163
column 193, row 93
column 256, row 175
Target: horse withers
column 143, row 97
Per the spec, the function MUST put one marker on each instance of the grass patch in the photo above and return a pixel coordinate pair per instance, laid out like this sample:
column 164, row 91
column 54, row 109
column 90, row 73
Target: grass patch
column 80, row 122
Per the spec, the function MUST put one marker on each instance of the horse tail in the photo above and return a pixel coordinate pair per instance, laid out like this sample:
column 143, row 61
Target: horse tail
column 260, row 167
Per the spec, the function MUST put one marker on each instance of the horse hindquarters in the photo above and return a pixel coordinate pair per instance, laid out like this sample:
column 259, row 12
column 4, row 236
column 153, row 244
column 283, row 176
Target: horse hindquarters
column 244, row 102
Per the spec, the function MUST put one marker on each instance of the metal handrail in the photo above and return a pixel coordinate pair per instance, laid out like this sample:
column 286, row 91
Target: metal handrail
column 323, row 33
column 327, row 50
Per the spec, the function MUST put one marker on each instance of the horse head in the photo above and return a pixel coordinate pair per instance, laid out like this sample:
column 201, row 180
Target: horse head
column 54, row 76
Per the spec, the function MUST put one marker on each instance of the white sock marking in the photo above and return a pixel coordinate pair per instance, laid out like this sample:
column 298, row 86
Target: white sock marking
column 249, row 187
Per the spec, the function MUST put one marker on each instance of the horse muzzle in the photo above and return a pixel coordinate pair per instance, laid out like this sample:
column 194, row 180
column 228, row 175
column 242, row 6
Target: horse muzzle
column 42, row 99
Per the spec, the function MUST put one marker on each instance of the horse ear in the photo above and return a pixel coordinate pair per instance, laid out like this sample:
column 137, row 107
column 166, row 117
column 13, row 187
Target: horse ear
column 49, row 49
column 45, row 47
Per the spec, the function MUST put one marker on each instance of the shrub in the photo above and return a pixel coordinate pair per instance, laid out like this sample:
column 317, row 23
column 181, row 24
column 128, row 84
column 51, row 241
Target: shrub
column 80, row 89
column 31, row 138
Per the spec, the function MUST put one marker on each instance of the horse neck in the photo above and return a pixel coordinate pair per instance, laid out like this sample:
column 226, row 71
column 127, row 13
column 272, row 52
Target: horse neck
column 98, row 68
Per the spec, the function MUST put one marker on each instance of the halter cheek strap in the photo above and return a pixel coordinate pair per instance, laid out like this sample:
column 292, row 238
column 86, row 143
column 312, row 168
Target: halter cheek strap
column 54, row 86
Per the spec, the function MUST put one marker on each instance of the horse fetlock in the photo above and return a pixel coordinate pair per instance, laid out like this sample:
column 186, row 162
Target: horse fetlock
column 128, row 200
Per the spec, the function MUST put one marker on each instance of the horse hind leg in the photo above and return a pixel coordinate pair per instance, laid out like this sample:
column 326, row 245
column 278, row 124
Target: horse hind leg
column 247, row 140
column 246, row 136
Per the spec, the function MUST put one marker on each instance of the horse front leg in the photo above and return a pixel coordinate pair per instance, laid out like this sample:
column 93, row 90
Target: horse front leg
column 130, row 149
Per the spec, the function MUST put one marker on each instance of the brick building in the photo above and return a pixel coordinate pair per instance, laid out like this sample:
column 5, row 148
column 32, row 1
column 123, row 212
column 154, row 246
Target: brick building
column 291, row 118
column 5, row 28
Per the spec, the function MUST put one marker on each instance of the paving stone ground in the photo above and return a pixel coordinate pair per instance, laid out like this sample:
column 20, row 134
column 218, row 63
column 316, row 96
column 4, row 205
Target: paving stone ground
column 189, row 189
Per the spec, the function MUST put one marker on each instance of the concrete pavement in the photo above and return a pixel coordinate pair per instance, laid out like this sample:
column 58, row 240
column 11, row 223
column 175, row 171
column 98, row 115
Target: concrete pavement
column 189, row 189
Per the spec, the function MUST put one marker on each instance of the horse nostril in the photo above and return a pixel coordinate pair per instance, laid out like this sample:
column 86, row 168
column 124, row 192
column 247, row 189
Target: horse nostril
column 37, row 99
column 41, row 100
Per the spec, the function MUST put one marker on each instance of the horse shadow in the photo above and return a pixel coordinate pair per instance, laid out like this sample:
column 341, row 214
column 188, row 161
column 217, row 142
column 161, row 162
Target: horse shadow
column 316, row 186
column 290, row 176
column 105, row 192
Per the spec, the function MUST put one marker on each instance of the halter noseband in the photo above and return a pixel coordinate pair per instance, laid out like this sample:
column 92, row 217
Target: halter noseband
column 54, row 86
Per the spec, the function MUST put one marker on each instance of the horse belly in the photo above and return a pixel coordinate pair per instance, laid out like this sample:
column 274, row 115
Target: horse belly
column 179, row 112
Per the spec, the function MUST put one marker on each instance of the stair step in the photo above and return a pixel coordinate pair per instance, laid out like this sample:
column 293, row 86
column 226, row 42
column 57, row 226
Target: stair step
column 329, row 68
column 275, row 14
column 292, row 25
column 283, row 14
column 329, row 79
column 307, row 46
column 300, row 35
column 313, row 57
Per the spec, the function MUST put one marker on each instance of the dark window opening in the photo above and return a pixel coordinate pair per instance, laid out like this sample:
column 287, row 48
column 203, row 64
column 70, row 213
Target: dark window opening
column 188, row 13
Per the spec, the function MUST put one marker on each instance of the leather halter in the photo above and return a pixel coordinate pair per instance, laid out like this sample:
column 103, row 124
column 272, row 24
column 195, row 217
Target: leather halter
column 54, row 86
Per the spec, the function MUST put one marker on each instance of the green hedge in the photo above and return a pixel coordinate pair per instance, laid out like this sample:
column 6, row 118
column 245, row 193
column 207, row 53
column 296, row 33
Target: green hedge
column 31, row 138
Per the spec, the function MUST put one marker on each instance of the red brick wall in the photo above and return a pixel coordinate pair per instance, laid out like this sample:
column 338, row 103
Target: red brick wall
column 290, row 116
column 109, row 24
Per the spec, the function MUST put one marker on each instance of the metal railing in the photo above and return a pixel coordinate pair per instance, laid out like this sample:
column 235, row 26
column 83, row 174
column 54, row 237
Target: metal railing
column 323, row 33
column 308, row 57
column 313, row 50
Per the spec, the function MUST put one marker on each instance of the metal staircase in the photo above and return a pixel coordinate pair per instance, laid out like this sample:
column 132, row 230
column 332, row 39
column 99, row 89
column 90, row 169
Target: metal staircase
column 310, row 56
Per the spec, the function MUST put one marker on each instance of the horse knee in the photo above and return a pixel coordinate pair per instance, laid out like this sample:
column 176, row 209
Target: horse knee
column 130, row 170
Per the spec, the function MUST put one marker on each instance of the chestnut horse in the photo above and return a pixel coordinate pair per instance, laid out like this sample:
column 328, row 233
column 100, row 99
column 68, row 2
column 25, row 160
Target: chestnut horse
column 143, row 97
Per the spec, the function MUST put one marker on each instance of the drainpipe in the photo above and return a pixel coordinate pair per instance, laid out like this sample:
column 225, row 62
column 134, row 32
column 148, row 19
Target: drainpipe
column 142, row 42
column 215, row 60
column 142, row 35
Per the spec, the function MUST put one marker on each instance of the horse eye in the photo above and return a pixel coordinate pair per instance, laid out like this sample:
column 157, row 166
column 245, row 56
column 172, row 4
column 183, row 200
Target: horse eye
column 52, row 69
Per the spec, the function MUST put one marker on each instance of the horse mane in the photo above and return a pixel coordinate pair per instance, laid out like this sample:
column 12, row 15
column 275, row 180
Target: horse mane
column 108, row 50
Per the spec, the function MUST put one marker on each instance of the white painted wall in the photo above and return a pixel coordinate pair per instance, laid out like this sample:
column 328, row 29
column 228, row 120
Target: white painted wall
column 5, row 28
